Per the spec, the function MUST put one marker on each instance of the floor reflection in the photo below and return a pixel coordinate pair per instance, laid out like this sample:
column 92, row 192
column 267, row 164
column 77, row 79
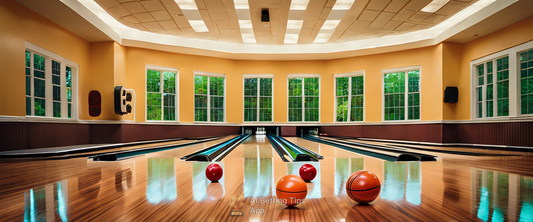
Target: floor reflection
column 344, row 167
column 402, row 180
column 161, row 180
column 315, row 189
column 46, row 203
column 501, row 196
column 200, row 183
column 257, row 177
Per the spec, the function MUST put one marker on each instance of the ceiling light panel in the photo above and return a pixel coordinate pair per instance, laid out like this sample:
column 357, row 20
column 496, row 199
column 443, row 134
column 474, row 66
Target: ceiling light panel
column 245, row 22
column 190, row 10
column 434, row 5
column 299, row 4
column 291, row 38
column 343, row 4
column 322, row 37
column 330, row 24
column 295, row 24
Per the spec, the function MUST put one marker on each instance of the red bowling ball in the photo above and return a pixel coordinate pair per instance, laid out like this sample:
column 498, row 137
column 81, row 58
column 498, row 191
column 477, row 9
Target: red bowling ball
column 307, row 172
column 213, row 172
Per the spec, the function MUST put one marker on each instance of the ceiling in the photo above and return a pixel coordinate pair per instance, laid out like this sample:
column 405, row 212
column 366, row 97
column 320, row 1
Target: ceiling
column 298, row 29
column 291, row 22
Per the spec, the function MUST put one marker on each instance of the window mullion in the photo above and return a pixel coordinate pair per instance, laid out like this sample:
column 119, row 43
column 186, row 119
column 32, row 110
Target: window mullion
column 208, row 99
column 32, row 85
column 63, row 92
column 161, row 83
column 303, row 100
column 349, row 99
column 258, row 98
column 48, row 98
column 406, row 97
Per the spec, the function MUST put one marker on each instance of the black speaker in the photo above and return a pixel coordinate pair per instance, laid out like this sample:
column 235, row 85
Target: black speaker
column 265, row 17
column 451, row 94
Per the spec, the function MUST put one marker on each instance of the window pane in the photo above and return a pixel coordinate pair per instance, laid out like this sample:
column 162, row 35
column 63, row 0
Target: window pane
column 39, row 88
column 28, row 58
column 295, row 87
column 490, row 108
column 342, row 86
column 170, row 113
column 342, row 109
column 38, row 66
column 69, row 110
column 169, row 100
column 56, row 93
column 28, row 106
column 200, row 85
column 153, row 81
column 57, row 110
column 250, row 87
column 169, row 82
column 265, row 102
column 265, row 115
column 39, row 107
column 266, row 87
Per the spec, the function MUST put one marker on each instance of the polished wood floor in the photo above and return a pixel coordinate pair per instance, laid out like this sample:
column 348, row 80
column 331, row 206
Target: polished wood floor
column 160, row 187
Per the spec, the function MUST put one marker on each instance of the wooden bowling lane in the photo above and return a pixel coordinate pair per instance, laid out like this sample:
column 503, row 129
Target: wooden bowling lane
column 450, row 148
column 160, row 187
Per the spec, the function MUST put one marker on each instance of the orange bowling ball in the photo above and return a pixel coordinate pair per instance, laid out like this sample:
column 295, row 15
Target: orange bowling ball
column 291, row 190
column 363, row 186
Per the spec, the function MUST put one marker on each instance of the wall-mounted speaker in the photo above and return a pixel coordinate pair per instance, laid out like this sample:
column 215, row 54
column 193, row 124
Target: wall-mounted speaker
column 451, row 94
column 123, row 99
column 265, row 16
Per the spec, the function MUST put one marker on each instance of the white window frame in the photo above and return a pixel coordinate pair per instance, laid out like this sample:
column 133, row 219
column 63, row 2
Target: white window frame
column 210, row 74
column 161, row 69
column 349, row 74
column 48, row 57
column 514, row 82
column 258, row 76
column 406, row 99
column 295, row 75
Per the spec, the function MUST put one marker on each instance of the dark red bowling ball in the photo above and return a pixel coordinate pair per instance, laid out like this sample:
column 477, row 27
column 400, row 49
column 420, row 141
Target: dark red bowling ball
column 307, row 172
column 213, row 172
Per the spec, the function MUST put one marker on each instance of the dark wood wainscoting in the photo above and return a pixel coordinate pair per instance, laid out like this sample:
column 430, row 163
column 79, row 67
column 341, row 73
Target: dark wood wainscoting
column 507, row 133
column 30, row 135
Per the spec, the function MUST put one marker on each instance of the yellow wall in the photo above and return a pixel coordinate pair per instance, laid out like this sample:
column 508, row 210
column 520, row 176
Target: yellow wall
column 107, row 64
column 508, row 37
column 429, row 58
column 18, row 24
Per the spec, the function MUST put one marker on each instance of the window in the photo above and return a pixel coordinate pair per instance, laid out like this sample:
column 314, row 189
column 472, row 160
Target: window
column 401, row 94
column 502, row 84
column 257, row 98
column 49, row 83
column 304, row 98
column 526, row 82
column 161, row 96
column 493, row 101
column 349, row 97
column 209, row 93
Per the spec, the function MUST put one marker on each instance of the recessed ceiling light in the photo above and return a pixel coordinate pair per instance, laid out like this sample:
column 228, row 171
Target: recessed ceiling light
column 434, row 5
column 343, row 4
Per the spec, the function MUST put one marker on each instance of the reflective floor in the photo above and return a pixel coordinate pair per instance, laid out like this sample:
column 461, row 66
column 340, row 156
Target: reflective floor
column 160, row 187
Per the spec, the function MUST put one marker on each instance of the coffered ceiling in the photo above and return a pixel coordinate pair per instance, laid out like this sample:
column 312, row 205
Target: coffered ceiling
column 291, row 22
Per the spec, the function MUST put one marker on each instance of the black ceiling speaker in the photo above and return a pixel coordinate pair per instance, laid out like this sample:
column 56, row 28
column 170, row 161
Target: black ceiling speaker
column 265, row 17
column 451, row 94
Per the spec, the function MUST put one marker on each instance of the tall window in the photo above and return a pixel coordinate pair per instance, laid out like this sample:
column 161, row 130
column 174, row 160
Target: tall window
column 304, row 98
column 402, row 94
column 49, row 83
column 487, row 98
column 161, row 94
column 257, row 99
column 349, row 97
column 526, row 82
column 209, row 96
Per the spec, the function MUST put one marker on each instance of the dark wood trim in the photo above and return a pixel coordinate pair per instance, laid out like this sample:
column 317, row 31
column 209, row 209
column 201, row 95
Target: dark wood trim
column 31, row 135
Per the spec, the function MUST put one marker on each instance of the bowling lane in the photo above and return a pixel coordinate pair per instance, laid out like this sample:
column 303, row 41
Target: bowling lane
column 160, row 187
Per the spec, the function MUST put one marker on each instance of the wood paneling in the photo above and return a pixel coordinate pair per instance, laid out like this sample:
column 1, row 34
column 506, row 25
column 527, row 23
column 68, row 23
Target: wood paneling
column 21, row 135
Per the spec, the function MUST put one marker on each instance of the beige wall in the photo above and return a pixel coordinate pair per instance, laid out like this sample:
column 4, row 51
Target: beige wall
column 19, row 24
column 105, row 65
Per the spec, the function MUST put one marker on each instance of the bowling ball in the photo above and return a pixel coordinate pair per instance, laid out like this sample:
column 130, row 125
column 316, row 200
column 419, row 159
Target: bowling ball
column 307, row 172
column 291, row 190
column 213, row 172
column 363, row 186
